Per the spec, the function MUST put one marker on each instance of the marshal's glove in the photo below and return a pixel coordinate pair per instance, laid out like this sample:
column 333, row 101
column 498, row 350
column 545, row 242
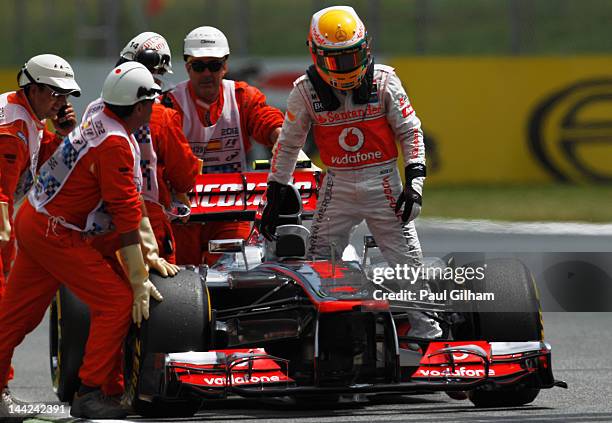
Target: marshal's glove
column 411, row 197
column 5, row 224
column 269, row 218
column 134, row 266
column 150, row 250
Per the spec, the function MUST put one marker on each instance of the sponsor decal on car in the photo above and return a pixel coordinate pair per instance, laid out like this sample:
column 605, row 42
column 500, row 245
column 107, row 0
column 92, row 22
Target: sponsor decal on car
column 245, row 379
column 222, row 368
column 465, row 360
column 456, row 372
column 241, row 192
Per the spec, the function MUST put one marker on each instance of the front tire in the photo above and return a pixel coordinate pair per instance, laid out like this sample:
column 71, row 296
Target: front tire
column 514, row 316
column 514, row 289
column 179, row 323
column 514, row 397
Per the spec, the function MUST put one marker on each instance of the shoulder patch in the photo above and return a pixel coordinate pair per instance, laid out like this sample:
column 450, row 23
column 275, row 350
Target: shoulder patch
column 384, row 68
column 166, row 101
column 300, row 80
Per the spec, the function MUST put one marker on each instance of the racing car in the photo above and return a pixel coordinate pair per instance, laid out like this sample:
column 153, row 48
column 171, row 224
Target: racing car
column 267, row 320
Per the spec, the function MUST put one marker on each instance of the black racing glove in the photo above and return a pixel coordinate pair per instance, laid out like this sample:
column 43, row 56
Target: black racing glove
column 269, row 219
column 410, row 198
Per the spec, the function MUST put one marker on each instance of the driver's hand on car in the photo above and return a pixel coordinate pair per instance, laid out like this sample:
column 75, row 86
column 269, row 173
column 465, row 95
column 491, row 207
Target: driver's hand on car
column 133, row 263
column 269, row 218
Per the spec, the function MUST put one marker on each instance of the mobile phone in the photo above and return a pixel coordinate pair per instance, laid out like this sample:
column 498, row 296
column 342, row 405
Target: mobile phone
column 62, row 113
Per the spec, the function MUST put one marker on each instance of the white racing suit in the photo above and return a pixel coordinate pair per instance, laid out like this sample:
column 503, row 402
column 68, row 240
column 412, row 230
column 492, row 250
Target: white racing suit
column 357, row 142
column 347, row 198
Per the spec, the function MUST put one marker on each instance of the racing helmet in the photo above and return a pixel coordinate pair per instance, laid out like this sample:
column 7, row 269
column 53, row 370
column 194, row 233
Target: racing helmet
column 51, row 70
column 128, row 84
column 150, row 49
column 339, row 46
column 206, row 41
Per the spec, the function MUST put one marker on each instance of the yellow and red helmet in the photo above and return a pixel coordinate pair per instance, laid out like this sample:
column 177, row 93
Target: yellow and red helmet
column 339, row 46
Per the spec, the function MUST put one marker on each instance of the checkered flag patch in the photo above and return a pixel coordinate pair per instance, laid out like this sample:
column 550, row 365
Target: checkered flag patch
column 143, row 135
column 47, row 184
column 69, row 155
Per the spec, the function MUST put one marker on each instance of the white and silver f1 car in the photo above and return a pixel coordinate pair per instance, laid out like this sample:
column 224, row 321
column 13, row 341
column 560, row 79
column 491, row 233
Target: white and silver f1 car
column 268, row 321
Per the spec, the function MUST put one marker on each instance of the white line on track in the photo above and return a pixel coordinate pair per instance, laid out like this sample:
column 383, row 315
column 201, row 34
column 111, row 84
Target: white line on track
column 532, row 228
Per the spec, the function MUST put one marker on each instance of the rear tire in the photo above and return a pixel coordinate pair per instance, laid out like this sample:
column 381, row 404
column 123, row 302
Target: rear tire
column 514, row 289
column 181, row 322
column 68, row 333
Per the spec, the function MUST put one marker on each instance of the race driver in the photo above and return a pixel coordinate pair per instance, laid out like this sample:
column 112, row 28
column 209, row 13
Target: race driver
column 166, row 163
column 87, row 186
column 357, row 110
column 219, row 117
column 45, row 83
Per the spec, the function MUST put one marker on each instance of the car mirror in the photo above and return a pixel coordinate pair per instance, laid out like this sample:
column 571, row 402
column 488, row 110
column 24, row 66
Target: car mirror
column 220, row 246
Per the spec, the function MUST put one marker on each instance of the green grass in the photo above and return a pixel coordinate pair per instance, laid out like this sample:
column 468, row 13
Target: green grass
column 279, row 27
column 520, row 203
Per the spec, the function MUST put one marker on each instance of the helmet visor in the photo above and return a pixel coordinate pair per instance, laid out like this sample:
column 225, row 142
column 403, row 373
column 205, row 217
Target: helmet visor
column 344, row 60
column 153, row 60
column 144, row 93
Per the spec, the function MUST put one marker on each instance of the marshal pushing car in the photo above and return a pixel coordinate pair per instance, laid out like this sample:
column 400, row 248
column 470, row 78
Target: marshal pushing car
column 268, row 321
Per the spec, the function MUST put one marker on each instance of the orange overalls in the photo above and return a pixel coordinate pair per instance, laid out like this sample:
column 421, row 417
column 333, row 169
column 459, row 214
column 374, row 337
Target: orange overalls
column 50, row 254
column 176, row 167
column 257, row 120
column 14, row 162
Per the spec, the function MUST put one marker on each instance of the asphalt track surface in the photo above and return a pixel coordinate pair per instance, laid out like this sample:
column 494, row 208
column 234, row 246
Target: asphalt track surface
column 581, row 344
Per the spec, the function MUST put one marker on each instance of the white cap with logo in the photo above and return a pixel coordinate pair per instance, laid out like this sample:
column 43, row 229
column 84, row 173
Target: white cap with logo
column 51, row 70
column 206, row 41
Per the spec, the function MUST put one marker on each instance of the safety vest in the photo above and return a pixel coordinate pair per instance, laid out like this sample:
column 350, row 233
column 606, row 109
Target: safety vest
column 9, row 113
column 148, row 157
column 55, row 172
column 354, row 135
column 220, row 145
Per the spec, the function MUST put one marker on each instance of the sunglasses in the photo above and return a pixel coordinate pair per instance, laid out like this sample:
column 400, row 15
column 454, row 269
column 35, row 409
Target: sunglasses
column 199, row 66
column 147, row 92
column 54, row 93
